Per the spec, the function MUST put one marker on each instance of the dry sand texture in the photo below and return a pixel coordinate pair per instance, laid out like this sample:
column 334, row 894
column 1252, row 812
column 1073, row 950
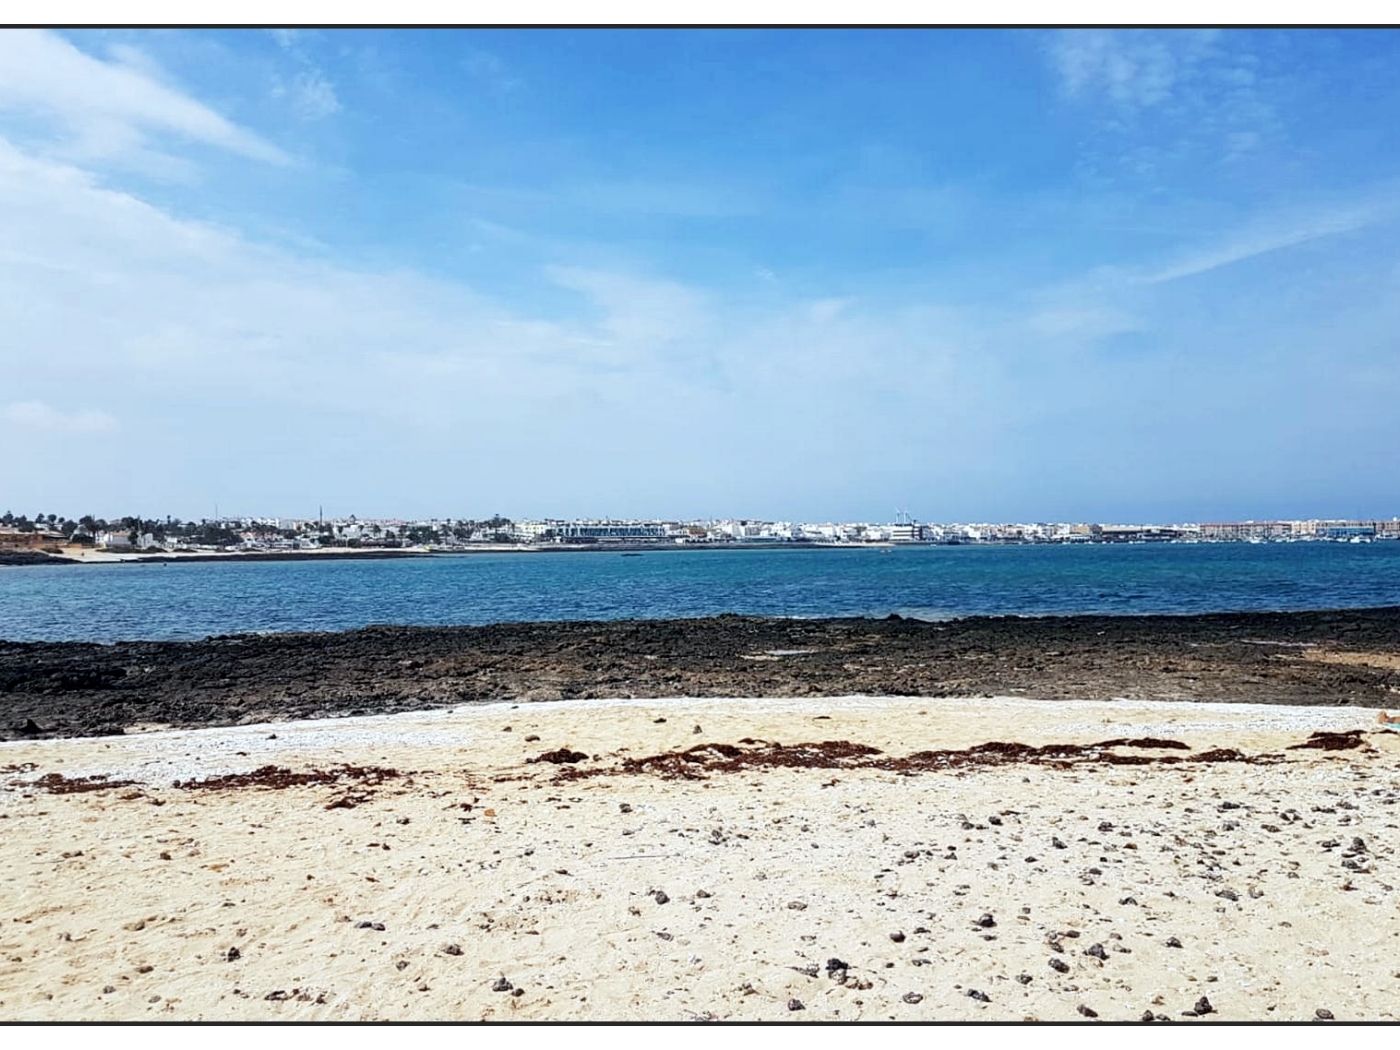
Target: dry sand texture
column 451, row 878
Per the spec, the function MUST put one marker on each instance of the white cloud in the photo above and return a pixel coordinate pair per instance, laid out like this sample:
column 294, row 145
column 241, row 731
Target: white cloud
column 825, row 310
column 36, row 415
column 312, row 96
column 393, row 381
column 1278, row 234
column 109, row 110
column 1133, row 68
column 1086, row 323
column 1167, row 99
column 640, row 316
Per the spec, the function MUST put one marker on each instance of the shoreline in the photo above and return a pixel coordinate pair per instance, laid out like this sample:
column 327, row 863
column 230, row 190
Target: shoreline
column 89, row 556
column 1342, row 658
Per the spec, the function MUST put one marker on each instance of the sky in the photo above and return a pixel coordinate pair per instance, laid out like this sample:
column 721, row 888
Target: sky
column 801, row 275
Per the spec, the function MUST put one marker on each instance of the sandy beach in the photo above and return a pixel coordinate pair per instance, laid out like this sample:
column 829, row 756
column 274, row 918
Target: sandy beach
column 687, row 859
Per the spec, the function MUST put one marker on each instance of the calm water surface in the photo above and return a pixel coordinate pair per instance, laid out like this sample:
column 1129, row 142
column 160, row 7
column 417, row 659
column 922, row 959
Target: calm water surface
column 153, row 601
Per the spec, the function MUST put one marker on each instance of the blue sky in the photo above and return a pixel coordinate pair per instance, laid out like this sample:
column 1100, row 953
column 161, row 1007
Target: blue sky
column 811, row 275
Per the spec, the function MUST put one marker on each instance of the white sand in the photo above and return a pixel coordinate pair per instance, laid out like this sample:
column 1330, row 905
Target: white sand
column 554, row 889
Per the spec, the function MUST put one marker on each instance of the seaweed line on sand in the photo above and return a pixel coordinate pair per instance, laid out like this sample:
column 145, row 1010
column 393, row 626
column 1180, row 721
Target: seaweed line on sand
column 695, row 763
column 269, row 777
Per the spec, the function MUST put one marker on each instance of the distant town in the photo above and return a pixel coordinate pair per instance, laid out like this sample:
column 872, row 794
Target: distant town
column 89, row 537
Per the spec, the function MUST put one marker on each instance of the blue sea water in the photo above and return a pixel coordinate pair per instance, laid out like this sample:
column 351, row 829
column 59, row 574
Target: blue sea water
column 158, row 601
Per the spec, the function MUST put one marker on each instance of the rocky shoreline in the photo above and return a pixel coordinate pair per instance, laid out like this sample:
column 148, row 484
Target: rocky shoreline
column 1344, row 658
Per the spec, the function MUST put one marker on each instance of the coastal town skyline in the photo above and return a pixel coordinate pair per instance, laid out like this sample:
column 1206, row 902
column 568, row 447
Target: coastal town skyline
column 55, row 534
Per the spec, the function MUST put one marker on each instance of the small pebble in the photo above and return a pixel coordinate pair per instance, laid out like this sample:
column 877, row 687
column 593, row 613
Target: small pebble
column 452, row 949
column 897, row 937
column 1024, row 978
column 501, row 985
column 793, row 1004
column 1087, row 1011
column 986, row 921
column 1172, row 942
column 1059, row 965
column 401, row 965
column 660, row 897
column 981, row 997
column 912, row 998
column 1323, row 1014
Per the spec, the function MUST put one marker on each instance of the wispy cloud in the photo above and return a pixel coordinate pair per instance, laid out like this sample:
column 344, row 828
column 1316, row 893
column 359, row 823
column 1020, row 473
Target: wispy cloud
column 490, row 70
column 110, row 110
column 38, row 416
column 1167, row 97
column 639, row 316
column 310, row 91
column 1275, row 235
column 311, row 95
column 1132, row 68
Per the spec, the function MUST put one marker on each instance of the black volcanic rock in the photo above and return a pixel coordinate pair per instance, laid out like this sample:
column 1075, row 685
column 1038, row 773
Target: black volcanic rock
column 84, row 689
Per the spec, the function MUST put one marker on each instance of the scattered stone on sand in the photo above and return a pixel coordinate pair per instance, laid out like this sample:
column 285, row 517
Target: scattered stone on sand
column 897, row 936
column 981, row 997
column 660, row 897
column 1059, row 965
column 1324, row 1014
column 1173, row 942
column 501, row 985
column 1087, row 1011
column 452, row 949
column 795, row 1004
column 912, row 998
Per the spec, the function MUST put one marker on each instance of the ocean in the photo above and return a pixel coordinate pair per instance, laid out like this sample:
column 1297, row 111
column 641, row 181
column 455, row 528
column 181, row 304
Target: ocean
column 104, row 603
